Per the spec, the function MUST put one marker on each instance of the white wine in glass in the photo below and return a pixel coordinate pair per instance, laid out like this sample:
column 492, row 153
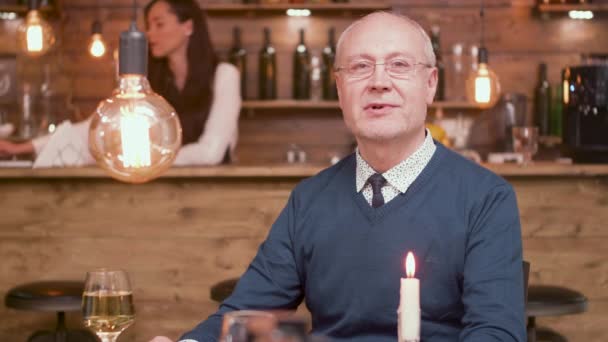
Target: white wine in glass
column 107, row 303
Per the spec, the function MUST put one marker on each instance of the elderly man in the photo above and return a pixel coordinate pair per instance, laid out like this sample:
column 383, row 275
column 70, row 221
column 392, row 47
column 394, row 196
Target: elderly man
column 340, row 242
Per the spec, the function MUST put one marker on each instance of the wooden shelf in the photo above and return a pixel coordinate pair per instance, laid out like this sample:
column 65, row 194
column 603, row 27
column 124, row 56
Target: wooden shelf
column 21, row 10
column 332, row 8
column 305, row 104
column 560, row 8
column 537, row 169
column 289, row 104
column 455, row 105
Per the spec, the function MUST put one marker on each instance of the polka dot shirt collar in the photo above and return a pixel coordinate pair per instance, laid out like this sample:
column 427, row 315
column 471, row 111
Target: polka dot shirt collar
column 402, row 175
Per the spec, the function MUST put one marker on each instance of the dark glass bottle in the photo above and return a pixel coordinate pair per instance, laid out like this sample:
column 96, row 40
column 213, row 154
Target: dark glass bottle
column 555, row 126
column 238, row 57
column 329, row 55
column 440, row 93
column 267, row 84
column 542, row 101
column 301, row 70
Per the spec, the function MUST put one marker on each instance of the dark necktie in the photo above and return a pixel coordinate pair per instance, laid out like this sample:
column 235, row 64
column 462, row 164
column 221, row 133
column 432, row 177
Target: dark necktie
column 377, row 182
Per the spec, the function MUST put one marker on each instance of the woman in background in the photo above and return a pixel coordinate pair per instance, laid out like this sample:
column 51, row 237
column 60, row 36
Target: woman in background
column 184, row 69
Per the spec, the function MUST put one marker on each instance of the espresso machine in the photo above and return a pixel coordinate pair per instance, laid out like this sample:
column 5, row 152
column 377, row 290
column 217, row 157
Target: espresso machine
column 585, row 112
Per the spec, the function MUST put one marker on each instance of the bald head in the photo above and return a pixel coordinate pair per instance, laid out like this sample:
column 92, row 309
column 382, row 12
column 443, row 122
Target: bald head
column 391, row 21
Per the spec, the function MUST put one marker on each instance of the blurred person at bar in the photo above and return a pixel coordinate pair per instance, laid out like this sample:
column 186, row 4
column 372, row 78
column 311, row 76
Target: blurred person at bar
column 184, row 69
column 340, row 242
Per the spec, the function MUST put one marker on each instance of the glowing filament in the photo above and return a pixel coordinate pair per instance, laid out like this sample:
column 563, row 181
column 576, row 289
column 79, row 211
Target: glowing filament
column 34, row 38
column 135, row 138
column 97, row 47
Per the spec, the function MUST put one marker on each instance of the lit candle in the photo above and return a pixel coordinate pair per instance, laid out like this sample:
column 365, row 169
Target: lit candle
column 409, row 303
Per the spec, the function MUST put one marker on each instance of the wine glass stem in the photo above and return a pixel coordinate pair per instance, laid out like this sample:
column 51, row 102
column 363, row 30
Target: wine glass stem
column 527, row 157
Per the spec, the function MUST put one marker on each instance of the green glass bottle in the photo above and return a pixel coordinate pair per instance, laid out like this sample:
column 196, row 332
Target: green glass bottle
column 542, row 101
column 301, row 70
column 329, row 56
column 267, row 80
column 557, row 107
column 238, row 57
column 440, row 93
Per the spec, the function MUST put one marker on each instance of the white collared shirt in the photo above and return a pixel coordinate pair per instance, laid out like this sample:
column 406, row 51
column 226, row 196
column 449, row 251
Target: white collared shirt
column 399, row 177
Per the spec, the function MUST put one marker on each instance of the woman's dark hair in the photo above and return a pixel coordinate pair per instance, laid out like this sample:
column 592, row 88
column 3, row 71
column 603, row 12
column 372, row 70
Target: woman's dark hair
column 202, row 60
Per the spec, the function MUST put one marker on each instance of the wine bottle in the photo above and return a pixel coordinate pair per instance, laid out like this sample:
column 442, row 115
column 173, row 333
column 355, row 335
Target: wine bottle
column 316, row 79
column 329, row 55
column 542, row 101
column 301, row 73
column 267, row 84
column 456, row 76
column 238, row 57
column 440, row 93
column 555, row 126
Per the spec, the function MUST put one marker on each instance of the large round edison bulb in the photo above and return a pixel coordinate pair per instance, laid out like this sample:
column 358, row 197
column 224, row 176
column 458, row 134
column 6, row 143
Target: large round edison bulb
column 35, row 36
column 483, row 87
column 135, row 134
column 97, row 47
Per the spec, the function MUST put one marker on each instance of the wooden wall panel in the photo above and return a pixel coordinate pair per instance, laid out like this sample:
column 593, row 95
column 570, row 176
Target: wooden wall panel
column 177, row 237
column 517, row 38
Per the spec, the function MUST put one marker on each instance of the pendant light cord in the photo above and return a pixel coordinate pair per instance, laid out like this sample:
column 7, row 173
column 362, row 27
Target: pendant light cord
column 481, row 15
column 134, row 11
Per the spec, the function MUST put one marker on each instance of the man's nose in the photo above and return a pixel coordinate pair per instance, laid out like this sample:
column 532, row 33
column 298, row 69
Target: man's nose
column 380, row 79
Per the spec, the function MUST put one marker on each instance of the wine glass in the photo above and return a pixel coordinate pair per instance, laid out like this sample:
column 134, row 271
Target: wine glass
column 247, row 325
column 107, row 303
column 525, row 141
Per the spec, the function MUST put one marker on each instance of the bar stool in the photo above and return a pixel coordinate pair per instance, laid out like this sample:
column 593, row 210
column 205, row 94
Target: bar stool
column 223, row 289
column 56, row 296
column 546, row 300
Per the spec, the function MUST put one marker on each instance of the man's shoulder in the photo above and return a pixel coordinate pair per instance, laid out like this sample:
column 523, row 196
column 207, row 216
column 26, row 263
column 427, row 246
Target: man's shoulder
column 316, row 183
column 457, row 166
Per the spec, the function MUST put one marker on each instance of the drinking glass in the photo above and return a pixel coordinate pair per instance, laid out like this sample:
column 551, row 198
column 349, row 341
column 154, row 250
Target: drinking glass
column 248, row 325
column 525, row 141
column 107, row 303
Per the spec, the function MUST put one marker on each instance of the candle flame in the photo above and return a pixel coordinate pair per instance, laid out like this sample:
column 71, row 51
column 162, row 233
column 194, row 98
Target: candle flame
column 410, row 265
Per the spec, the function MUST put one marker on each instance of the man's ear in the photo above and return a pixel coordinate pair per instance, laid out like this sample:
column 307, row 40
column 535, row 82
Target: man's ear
column 431, row 85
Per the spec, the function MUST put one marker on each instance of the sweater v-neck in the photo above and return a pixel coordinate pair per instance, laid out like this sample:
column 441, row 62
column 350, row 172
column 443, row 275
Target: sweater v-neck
column 375, row 215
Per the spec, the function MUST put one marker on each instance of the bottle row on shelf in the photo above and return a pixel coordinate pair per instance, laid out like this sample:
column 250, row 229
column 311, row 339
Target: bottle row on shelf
column 313, row 77
column 291, row 1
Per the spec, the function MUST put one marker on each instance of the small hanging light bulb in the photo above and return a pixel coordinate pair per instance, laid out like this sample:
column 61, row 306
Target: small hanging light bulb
column 97, row 46
column 482, row 85
column 35, row 35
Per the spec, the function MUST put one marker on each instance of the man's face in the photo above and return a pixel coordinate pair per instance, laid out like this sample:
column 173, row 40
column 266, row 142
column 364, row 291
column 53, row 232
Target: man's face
column 384, row 107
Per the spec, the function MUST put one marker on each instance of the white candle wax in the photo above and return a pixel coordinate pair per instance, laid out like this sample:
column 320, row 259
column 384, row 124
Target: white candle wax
column 409, row 310
column 408, row 313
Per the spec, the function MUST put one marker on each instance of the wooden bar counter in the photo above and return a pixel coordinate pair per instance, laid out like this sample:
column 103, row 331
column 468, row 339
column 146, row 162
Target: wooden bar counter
column 180, row 234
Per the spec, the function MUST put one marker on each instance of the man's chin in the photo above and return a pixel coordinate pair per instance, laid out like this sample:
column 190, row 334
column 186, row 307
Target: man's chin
column 379, row 135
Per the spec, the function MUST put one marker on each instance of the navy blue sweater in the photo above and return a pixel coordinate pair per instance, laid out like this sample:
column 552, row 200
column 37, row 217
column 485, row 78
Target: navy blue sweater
column 345, row 258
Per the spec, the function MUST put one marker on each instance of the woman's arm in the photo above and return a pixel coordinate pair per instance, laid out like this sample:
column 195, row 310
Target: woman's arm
column 221, row 129
column 8, row 148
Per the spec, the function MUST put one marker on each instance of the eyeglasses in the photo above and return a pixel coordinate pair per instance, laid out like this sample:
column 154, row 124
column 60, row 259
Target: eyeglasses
column 401, row 68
